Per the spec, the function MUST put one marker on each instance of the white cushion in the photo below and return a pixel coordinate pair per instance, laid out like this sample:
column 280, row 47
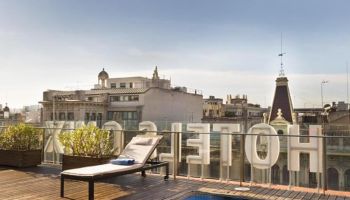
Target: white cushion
column 141, row 141
column 100, row 169
column 140, row 153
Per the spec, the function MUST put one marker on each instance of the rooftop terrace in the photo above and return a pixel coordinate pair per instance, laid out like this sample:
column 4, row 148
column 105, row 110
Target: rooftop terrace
column 277, row 182
column 43, row 183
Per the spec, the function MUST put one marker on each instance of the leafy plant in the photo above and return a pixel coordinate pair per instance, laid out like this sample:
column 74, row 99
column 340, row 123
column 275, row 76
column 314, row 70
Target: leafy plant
column 20, row 137
column 87, row 141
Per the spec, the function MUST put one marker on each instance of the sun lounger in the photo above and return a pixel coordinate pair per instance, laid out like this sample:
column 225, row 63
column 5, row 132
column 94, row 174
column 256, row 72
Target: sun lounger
column 139, row 148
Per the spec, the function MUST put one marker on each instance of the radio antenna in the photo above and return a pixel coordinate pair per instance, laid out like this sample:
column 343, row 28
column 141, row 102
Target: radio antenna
column 281, row 55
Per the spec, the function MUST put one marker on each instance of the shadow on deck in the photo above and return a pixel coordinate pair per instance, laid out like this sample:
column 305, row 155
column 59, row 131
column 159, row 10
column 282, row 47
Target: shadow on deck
column 43, row 183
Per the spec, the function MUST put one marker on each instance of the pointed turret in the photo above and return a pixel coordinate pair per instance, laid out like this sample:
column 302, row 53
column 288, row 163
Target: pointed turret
column 282, row 107
column 155, row 74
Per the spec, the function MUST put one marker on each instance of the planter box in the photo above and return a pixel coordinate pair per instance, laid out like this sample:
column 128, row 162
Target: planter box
column 71, row 162
column 20, row 158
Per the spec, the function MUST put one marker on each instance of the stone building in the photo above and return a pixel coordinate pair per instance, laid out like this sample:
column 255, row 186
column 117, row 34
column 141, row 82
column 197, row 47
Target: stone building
column 125, row 100
column 236, row 110
column 338, row 152
column 213, row 107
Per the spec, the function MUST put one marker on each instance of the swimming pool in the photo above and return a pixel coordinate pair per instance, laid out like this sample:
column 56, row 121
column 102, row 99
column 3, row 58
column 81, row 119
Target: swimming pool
column 207, row 196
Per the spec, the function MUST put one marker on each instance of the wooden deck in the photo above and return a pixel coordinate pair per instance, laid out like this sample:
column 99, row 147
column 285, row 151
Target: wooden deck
column 43, row 183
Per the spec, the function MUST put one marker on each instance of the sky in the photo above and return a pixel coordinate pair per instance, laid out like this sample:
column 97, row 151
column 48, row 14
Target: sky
column 218, row 47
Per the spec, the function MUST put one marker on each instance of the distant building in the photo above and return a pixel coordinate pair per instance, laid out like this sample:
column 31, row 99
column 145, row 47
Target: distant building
column 4, row 112
column 125, row 100
column 236, row 110
column 213, row 107
column 239, row 107
column 335, row 122
column 32, row 114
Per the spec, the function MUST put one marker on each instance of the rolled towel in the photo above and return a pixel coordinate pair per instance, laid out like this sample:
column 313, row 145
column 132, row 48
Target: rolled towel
column 123, row 161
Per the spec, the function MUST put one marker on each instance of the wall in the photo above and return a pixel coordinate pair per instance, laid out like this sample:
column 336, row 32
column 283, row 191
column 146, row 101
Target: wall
column 172, row 106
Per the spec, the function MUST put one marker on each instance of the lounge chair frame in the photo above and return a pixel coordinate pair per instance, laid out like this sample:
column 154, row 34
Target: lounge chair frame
column 91, row 179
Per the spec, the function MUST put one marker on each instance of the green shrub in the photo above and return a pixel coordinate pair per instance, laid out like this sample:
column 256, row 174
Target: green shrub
column 87, row 141
column 20, row 137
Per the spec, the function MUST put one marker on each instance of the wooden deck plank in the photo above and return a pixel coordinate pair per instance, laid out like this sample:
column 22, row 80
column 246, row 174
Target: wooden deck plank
column 332, row 197
column 292, row 195
column 324, row 197
column 340, row 198
column 42, row 183
column 277, row 194
column 300, row 196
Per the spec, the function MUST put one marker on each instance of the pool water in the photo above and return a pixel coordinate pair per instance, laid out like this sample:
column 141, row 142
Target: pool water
column 212, row 197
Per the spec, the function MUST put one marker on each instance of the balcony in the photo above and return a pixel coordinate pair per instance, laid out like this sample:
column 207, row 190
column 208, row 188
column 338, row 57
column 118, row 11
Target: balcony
column 191, row 178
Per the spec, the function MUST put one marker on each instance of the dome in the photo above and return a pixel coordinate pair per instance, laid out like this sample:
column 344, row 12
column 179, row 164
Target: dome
column 103, row 74
column 6, row 109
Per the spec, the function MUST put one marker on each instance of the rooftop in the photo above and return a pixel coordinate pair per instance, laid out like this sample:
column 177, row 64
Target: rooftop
column 43, row 182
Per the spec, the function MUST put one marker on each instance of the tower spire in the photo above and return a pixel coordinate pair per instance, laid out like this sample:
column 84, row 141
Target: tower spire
column 281, row 74
column 155, row 74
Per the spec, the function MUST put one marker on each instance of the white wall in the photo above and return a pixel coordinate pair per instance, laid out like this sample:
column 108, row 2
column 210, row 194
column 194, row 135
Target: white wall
column 172, row 106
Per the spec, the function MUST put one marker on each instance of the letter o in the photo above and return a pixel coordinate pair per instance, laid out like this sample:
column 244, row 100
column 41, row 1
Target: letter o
column 251, row 147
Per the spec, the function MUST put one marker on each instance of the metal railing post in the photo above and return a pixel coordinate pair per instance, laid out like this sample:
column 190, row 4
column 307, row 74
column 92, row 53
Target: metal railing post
column 43, row 145
column 176, row 154
column 324, row 163
column 241, row 177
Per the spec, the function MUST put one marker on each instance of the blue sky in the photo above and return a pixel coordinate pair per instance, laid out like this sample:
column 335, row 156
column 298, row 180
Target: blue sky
column 219, row 47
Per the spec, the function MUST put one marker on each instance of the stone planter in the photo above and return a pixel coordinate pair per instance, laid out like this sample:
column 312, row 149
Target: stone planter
column 71, row 162
column 15, row 158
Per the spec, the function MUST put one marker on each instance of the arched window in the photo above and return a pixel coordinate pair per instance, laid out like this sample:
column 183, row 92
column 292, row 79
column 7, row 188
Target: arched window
column 285, row 175
column 347, row 180
column 275, row 174
column 332, row 179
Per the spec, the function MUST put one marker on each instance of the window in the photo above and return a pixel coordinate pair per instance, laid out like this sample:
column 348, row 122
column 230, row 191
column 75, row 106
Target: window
column 134, row 98
column 114, row 98
column 93, row 116
column 122, row 115
column 99, row 116
column 113, row 85
column 122, row 85
column 134, row 115
column 110, row 115
column 51, row 116
column 124, row 98
column 87, row 116
column 70, row 116
column 62, row 116
column 99, row 120
column 130, row 85
column 125, row 115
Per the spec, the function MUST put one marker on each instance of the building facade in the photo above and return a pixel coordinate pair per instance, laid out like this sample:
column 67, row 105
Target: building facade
column 236, row 110
column 213, row 107
column 125, row 100
column 334, row 123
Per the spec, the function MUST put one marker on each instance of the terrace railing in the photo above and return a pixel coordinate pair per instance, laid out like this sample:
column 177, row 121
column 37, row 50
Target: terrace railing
column 183, row 146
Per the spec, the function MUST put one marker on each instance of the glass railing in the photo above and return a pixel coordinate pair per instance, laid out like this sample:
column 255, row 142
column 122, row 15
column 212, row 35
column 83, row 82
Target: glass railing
column 201, row 151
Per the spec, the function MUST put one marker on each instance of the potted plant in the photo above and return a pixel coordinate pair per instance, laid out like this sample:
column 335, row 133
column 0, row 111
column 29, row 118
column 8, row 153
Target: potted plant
column 20, row 146
column 86, row 146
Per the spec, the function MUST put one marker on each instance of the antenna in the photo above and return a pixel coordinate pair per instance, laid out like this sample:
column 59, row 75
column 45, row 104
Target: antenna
column 347, row 84
column 281, row 55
